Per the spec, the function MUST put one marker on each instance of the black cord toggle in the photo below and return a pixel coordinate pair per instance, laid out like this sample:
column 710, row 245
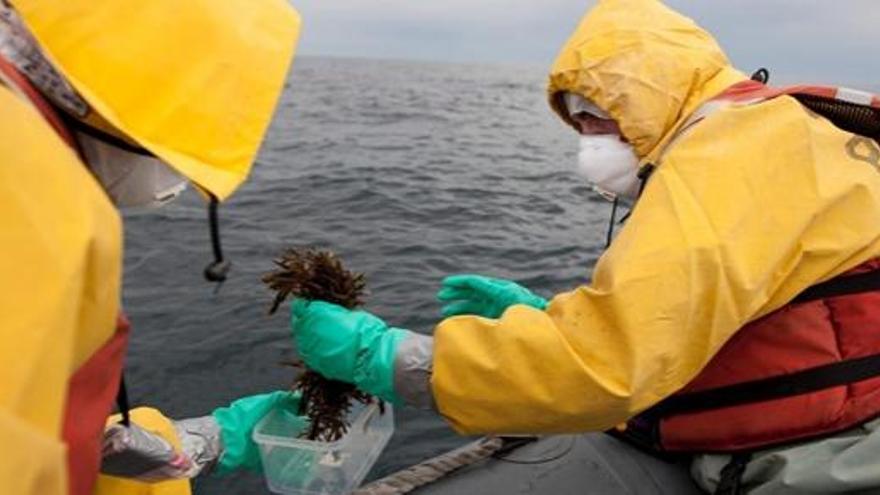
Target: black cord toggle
column 217, row 270
column 761, row 75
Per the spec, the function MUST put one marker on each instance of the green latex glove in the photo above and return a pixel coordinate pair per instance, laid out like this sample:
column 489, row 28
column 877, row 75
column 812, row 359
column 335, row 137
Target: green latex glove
column 350, row 346
column 237, row 422
column 484, row 296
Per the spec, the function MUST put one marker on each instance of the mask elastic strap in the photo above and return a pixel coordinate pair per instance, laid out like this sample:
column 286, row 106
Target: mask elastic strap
column 643, row 175
column 610, row 234
column 217, row 270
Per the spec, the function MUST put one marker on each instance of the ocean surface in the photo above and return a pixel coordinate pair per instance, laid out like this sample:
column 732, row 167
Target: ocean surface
column 409, row 171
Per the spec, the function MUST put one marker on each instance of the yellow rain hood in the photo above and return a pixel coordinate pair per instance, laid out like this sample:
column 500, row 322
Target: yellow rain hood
column 195, row 82
column 646, row 65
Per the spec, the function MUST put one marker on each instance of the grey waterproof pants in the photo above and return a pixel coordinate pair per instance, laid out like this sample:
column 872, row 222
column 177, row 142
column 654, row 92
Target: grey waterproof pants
column 846, row 463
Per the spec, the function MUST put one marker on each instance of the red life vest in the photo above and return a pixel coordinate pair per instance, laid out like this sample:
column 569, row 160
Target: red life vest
column 809, row 369
column 93, row 387
column 90, row 397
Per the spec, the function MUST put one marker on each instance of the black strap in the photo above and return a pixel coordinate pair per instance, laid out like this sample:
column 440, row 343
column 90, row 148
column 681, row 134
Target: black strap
column 731, row 475
column 841, row 286
column 642, row 433
column 79, row 126
column 777, row 387
column 122, row 401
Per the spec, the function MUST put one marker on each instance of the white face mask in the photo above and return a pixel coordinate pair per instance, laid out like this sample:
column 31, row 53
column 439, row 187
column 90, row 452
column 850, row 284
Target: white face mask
column 130, row 179
column 610, row 164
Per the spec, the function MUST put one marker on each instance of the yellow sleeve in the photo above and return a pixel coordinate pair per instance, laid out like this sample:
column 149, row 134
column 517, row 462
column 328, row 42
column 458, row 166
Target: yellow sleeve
column 751, row 207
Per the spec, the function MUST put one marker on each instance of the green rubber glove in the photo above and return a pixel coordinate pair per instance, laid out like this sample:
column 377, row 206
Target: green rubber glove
column 237, row 422
column 350, row 346
column 484, row 296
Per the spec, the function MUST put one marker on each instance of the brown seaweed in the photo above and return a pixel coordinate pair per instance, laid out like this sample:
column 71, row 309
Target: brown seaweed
column 319, row 275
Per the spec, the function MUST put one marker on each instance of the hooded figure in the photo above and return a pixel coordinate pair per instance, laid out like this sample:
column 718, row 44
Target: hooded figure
column 111, row 103
column 742, row 213
column 751, row 201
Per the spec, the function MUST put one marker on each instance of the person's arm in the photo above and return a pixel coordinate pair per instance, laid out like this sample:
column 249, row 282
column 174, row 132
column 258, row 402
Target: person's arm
column 155, row 448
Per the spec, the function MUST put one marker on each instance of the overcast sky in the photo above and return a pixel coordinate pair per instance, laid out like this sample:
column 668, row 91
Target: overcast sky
column 799, row 40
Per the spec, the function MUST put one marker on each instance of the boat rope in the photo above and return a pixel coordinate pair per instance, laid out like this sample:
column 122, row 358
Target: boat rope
column 433, row 469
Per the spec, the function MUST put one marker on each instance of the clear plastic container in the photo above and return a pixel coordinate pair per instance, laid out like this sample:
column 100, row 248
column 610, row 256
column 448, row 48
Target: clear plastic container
column 294, row 465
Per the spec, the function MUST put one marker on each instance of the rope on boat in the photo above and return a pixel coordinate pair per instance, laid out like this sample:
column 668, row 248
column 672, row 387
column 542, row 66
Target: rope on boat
column 433, row 469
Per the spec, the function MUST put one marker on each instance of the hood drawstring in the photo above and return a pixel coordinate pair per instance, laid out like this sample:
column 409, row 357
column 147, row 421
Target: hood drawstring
column 643, row 175
column 217, row 270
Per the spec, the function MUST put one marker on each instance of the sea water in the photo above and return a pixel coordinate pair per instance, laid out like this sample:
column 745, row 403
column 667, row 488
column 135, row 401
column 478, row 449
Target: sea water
column 409, row 171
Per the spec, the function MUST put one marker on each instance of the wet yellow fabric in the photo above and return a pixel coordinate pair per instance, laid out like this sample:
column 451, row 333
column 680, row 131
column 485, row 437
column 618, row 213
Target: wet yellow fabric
column 34, row 463
column 643, row 64
column 151, row 420
column 59, row 293
column 745, row 210
column 195, row 82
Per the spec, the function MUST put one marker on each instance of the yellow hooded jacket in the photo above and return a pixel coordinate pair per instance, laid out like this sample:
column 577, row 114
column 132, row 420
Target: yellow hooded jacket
column 745, row 210
column 195, row 82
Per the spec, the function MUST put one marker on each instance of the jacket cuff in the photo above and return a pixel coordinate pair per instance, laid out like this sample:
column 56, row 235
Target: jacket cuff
column 413, row 366
column 200, row 441
column 136, row 453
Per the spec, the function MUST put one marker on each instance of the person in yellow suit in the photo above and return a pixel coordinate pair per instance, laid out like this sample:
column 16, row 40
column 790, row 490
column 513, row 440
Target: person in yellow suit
column 742, row 202
column 109, row 104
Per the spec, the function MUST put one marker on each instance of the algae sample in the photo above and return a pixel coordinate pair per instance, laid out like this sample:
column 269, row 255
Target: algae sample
column 319, row 275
